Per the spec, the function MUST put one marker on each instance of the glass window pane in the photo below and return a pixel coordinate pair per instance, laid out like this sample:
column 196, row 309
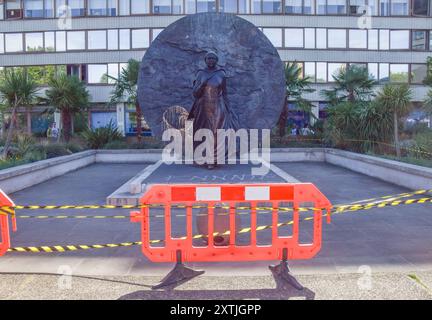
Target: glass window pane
column 1, row 10
column 243, row 6
column 97, row 40
column 399, row 39
column 321, row 72
column 97, row 73
column 333, row 69
column 76, row 40
column 418, row 40
column 124, row 35
column 13, row 42
column 34, row 41
column 373, row 39
column 337, row 38
column 358, row 39
column 124, row 7
column 373, row 70
column 97, row 7
column 399, row 73
column 49, row 41
column 384, row 7
column 293, row 6
column 309, row 38
column 384, row 72
column 190, row 6
column 274, row 35
column 112, row 8
column 161, row 6
column 336, row 6
column 77, row 7
column 418, row 73
column 271, row 6
column 113, row 71
column 357, row 7
column 321, row 38
column 49, row 8
column 1, row 43
column 294, row 38
column 308, row 7
column 399, row 7
column 420, row 7
column 206, row 6
column 113, row 39
column 61, row 8
column 155, row 33
column 60, row 41
column 140, row 6
column 33, row 9
column 177, row 6
column 140, row 38
column 309, row 70
column 384, row 39
column 321, row 6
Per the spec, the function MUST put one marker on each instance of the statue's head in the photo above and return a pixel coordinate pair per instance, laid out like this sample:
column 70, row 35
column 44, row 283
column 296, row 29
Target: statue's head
column 211, row 59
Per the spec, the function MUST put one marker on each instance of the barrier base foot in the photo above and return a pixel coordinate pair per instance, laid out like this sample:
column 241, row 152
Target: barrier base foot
column 283, row 276
column 177, row 276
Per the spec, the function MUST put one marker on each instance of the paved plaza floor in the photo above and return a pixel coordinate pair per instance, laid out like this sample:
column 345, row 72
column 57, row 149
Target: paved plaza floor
column 390, row 242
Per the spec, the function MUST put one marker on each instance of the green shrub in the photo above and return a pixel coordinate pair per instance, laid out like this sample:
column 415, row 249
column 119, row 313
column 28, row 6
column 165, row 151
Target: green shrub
column 147, row 145
column 35, row 155
column 117, row 144
column 74, row 147
column 422, row 146
column 52, row 150
column 96, row 139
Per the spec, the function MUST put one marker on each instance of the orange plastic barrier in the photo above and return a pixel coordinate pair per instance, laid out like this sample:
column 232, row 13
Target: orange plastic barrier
column 282, row 247
column 4, row 222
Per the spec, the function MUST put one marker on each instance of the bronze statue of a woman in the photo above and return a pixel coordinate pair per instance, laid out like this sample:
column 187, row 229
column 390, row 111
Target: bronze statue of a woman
column 211, row 109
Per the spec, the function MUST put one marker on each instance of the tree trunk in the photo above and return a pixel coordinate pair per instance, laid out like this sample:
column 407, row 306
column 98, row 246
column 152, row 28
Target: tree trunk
column 66, row 124
column 9, row 134
column 396, row 134
column 351, row 97
column 28, row 118
column 138, row 120
column 283, row 119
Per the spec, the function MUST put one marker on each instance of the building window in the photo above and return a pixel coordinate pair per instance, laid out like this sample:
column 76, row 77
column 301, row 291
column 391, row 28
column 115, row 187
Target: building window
column 97, row 40
column 308, row 7
column 1, row 43
column 140, row 6
column 321, row 38
column 357, row 39
column 418, row 73
column 113, row 72
column 13, row 9
column 274, row 35
column 266, row 6
column 97, row 73
column 77, row 8
column 334, row 69
column 336, row 6
column 418, row 40
column 97, row 7
column 384, row 7
column 321, row 6
column 399, row 39
column 399, row 73
column 373, row 70
column 399, row 7
column 76, row 40
column 190, row 6
column 1, row 10
column 161, row 6
column 33, row 8
column 61, row 8
column 294, row 6
column 373, row 39
column 309, row 71
column 384, row 39
column 384, row 72
column 420, row 7
column 140, row 38
column 49, row 8
column 49, row 41
column 34, row 41
column 155, row 33
column 13, row 42
column 309, row 38
column 60, row 41
column 294, row 38
column 321, row 72
column 112, row 8
column 206, row 6
column 113, row 39
column 124, row 7
column 124, row 36
column 337, row 38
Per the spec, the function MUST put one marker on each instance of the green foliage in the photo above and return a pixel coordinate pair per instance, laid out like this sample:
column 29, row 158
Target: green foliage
column 396, row 98
column 422, row 145
column 99, row 137
column 17, row 88
column 125, row 89
column 428, row 80
column 117, row 144
column 52, row 150
column 73, row 147
column 24, row 143
column 353, row 84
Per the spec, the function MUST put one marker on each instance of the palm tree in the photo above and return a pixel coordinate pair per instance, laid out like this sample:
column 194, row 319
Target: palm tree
column 17, row 89
column 68, row 95
column 352, row 84
column 125, row 90
column 397, row 100
column 296, row 86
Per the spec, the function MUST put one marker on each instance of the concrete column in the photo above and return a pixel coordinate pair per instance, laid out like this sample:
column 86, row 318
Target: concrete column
column 120, row 108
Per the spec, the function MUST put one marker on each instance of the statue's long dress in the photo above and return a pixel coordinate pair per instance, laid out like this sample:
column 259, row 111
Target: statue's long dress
column 211, row 108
